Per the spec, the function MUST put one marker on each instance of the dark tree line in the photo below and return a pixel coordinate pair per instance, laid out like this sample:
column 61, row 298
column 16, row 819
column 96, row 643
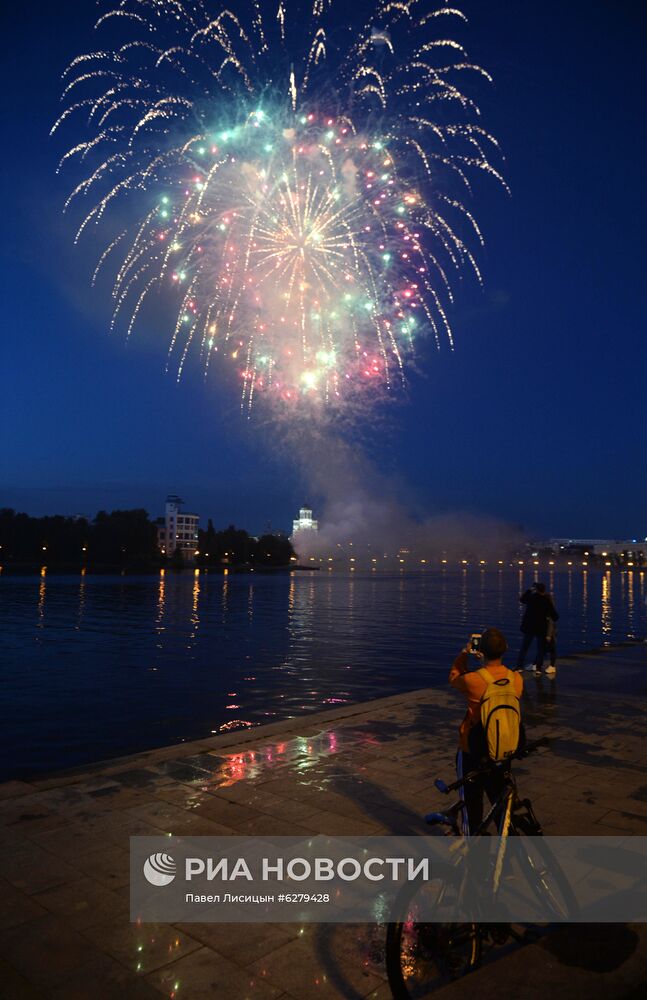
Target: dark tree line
column 125, row 538
column 236, row 547
column 118, row 538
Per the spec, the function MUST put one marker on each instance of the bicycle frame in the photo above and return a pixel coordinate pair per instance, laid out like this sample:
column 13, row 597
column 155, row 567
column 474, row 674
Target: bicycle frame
column 448, row 818
column 503, row 806
column 509, row 795
column 446, row 956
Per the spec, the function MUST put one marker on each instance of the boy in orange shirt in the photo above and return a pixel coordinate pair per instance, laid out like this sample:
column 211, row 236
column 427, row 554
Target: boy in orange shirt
column 472, row 747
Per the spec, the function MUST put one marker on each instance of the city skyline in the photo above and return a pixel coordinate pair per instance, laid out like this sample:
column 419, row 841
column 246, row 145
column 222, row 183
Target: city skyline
column 306, row 527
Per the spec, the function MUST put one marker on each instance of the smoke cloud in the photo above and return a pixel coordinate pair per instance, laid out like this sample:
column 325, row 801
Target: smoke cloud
column 361, row 517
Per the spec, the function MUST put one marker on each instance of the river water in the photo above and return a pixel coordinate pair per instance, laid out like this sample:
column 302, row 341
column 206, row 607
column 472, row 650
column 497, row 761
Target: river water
column 99, row 666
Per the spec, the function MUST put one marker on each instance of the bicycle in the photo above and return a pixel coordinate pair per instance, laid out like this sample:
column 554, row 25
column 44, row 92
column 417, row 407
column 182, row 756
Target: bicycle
column 422, row 956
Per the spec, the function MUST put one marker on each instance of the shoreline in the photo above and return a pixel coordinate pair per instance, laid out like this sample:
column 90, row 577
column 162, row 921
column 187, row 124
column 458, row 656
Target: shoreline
column 288, row 726
column 421, row 566
column 65, row 569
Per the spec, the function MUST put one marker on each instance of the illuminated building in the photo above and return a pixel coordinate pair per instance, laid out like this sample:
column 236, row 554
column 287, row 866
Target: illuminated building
column 178, row 530
column 627, row 551
column 304, row 522
column 631, row 548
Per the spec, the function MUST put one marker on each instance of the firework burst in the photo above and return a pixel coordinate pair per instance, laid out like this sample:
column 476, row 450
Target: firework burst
column 289, row 178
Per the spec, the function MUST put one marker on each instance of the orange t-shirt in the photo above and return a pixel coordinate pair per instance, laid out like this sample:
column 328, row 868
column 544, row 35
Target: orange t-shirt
column 473, row 687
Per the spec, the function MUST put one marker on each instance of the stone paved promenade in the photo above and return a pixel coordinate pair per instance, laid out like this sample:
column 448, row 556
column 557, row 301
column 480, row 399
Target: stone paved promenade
column 365, row 769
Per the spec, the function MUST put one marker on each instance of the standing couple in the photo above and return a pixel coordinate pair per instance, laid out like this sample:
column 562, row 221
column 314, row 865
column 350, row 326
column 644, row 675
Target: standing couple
column 538, row 623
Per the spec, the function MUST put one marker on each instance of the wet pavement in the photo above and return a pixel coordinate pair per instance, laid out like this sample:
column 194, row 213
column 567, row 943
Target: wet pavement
column 363, row 769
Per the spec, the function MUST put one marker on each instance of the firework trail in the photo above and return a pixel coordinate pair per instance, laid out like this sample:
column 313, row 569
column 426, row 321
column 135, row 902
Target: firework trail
column 293, row 179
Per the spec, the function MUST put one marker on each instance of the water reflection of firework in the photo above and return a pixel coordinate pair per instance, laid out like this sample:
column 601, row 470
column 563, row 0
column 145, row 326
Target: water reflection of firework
column 291, row 195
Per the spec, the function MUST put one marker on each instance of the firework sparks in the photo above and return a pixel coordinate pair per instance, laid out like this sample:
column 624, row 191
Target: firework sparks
column 290, row 191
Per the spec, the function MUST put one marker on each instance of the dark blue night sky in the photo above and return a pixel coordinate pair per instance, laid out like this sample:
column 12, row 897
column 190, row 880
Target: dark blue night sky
column 539, row 416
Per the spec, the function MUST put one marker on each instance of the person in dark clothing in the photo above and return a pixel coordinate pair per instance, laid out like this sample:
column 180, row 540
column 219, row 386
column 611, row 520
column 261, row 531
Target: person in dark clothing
column 551, row 647
column 539, row 610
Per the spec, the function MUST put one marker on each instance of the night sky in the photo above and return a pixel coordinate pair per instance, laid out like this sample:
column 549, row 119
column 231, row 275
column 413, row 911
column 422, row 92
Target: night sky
column 539, row 416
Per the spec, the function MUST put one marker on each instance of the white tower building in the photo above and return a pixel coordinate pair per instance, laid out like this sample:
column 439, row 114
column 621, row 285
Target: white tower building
column 305, row 521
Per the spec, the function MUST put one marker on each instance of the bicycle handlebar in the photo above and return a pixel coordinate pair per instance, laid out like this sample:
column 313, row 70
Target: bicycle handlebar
column 468, row 778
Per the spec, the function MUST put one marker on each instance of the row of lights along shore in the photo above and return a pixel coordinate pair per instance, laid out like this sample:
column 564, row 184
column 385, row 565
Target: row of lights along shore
column 521, row 563
column 352, row 560
column 464, row 563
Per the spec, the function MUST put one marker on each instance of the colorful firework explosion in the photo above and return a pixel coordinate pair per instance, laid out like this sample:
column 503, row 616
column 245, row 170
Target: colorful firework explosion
column 289, row 179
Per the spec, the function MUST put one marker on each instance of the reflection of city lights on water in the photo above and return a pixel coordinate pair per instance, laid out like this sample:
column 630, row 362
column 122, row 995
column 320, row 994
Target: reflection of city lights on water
column 226, row 727
column 606, row 604
column 42, row 591
column 630, row 603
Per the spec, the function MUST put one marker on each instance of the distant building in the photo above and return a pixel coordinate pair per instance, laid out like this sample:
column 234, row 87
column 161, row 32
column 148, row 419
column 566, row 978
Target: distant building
column 304, row 522
column 178, row 530
column 628, row 550
column 631, row 547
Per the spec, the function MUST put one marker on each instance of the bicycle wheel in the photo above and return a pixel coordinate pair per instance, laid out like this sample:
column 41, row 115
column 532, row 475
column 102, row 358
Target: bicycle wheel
column 422, row 956
column 543, row 873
